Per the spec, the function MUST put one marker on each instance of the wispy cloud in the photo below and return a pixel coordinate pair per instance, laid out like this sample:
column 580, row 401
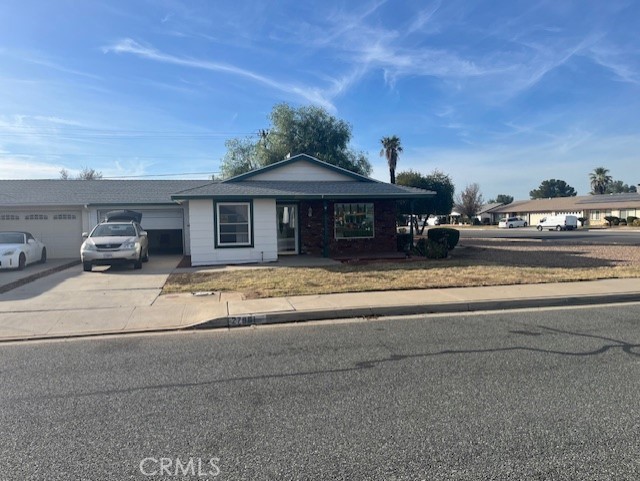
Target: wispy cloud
column 311, row 94
column 615, row 61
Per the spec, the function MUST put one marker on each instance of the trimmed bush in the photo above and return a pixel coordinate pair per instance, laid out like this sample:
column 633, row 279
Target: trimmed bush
column 403, row 242
column 636, row 223
column 612, row 220
column 445, row 236
column 583, row 220
column 631, row 219
column 431, row 249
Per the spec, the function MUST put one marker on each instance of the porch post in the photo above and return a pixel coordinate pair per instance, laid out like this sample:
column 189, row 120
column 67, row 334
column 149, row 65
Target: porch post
column 411, row 203
column 325, row 228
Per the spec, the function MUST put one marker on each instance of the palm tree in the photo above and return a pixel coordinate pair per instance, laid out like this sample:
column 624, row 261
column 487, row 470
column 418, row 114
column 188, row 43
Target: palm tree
column 600, row 180
column 391, row 148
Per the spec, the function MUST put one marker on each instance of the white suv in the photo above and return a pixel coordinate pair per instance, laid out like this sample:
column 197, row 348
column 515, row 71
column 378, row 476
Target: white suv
column 115, row 242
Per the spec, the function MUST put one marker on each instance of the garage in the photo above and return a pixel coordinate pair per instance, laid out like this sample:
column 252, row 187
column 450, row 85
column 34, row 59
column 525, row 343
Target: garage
column 60, row 230
column 164, row 228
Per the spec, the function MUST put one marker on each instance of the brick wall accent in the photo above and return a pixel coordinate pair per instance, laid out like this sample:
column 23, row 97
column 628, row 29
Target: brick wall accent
column 311, row 230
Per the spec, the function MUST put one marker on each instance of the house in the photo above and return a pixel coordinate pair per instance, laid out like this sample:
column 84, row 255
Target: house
column 486, row 214
column 298, row 206
column 59, row 211
column 594, row 208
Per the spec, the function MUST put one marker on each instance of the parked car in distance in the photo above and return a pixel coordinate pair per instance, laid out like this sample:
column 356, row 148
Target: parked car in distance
column 511, row 222
column 559, row 222
column 433, row 220
column 113, row 242
column 17, row 249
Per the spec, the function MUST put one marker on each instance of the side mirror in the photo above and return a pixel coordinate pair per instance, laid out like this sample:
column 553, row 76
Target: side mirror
column 143, row 233
column 85, row 235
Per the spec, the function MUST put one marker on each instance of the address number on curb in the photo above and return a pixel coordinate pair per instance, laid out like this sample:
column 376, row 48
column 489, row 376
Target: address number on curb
column 248, row 320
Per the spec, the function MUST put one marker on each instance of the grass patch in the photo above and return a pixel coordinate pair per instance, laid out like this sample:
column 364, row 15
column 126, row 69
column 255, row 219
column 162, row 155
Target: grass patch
column 382, row 276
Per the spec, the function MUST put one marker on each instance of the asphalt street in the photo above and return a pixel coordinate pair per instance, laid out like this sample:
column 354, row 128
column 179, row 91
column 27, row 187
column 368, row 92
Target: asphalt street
column 544, row 394
column 589, row 236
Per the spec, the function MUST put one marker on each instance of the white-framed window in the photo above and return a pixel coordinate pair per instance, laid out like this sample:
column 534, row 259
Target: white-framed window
column 36, row 217
column 233, row 224
column 9, row 217
column 594, row 215
column 354, row 220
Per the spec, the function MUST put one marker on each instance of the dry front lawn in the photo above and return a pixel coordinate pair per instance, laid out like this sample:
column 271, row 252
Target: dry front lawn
column 474, row 263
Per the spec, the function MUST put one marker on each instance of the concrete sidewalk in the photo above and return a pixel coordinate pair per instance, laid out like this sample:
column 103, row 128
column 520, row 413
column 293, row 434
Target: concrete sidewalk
column 187, row 311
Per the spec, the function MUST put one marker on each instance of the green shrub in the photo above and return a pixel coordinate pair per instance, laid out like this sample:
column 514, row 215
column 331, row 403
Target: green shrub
column 636, row 223
column 631, row 219
column 403, row 242
column 583, row 220
column 444, row 235
column 622, row 222
column 612, row 220
column 431, row 249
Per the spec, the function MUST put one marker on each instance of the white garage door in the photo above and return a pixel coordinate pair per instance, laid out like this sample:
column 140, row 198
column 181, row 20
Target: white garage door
column 61, row 231
column 156, row 219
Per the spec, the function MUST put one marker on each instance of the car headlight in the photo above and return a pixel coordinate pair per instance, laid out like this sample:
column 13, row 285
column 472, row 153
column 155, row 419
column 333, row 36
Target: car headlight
column 128, row 245
column 88, row 246
column 10, row 252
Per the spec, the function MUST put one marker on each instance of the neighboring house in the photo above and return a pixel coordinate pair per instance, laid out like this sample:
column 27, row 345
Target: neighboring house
column 486, row 214
column 594, row 208
column 298, row 206
column 59, row 211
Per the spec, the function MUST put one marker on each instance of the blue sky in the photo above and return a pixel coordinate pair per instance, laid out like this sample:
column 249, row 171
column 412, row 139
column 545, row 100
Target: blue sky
column 502, row 93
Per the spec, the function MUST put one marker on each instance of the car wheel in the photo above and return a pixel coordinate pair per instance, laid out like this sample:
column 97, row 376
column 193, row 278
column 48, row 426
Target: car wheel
column 558, row 228
column 146, row 257
column 540, row 228
column 43, row 257
column 86, row 266
column 525, row 224
column 22, row 261
column 138, row 264
column 510, row 226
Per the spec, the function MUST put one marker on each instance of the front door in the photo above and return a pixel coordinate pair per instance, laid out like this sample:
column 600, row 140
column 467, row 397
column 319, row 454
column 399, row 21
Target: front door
column 287, row 225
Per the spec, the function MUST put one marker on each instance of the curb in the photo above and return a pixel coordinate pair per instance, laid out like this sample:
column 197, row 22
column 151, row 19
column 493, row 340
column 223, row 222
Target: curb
column 373, row 312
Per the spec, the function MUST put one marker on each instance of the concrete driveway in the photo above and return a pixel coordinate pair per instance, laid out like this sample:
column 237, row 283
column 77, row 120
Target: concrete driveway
column 104, row 287
column 72, row 300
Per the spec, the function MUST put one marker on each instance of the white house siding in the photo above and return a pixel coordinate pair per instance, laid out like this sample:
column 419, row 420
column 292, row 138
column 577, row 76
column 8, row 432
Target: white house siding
column 203, row 250
column 301, row 171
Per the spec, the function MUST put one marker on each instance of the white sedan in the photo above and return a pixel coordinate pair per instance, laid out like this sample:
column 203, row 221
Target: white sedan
column 510, row 222
column 17, row 249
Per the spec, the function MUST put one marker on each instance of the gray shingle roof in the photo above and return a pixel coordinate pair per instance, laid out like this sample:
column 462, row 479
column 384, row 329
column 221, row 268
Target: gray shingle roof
column 577, row 203
column 91, row 192
column 302, row 190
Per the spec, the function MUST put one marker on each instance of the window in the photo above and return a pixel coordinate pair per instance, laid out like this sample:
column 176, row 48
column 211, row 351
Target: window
column 36, row 217
column 233, row 224
column 595, row 215
column 353, row 220
column 64, row 217
column 9, row 217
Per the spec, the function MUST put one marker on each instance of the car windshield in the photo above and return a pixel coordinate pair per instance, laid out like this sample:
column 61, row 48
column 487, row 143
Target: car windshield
column 114, row 230
column 11, row 238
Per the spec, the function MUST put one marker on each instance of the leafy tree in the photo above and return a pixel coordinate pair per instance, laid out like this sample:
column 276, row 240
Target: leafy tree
column 441, row 203
column 501, row 199
column 618, row 187
column 469, row 201
column 240, row 157
column 553, row 188
column 391, row 149
column 306, row 130
column 600, row 180
column 85, row 174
